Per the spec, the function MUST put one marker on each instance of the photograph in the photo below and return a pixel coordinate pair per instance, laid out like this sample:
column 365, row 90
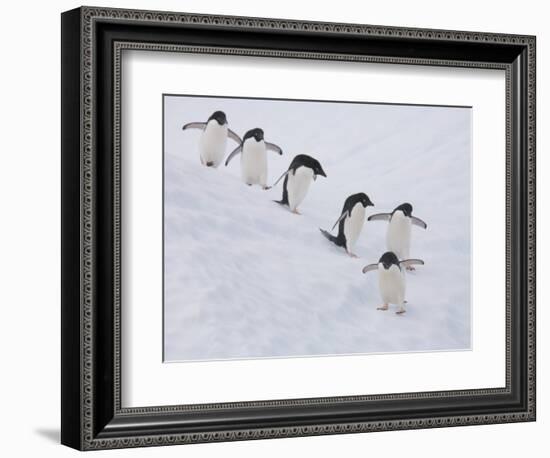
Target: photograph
column 314, row 228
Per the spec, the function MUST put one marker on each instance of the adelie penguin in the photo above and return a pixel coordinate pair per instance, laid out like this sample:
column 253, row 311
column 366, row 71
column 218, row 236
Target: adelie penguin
column 398, row 236
column 303, row 170
column 391, row 279
column 213, row 140
column 350, row 223
column 253, row 151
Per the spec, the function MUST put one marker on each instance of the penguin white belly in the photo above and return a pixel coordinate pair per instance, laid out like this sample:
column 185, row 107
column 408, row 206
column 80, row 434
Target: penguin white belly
column 353, row 225
column 398, row 237
column 297, row 186
column 212, row 143
column 392, row 285
column 254, row 163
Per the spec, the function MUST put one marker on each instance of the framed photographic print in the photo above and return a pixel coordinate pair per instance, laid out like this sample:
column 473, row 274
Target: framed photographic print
column 276, row 228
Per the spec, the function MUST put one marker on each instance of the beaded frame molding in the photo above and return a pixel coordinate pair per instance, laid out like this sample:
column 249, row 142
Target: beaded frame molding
column 92, row 43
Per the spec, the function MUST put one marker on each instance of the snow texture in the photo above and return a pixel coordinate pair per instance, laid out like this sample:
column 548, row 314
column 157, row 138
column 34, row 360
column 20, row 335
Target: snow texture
column 246, row 278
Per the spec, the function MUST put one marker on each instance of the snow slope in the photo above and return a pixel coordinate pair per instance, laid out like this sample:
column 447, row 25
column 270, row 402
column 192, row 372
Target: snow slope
column 245, row 278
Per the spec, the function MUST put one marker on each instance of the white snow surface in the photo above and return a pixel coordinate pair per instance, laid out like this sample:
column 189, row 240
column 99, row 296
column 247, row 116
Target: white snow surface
column 246, row 278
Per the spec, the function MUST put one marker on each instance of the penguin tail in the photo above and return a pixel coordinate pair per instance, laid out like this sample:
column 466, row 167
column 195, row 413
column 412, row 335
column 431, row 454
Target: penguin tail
column 331, row 237
column 209, row 163
column 281, row 202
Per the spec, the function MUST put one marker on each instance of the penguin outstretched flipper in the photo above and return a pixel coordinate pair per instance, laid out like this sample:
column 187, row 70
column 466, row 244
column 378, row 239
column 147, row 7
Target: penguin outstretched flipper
column 194, row 125
column 370, row 268
column 418, row 222
column 233, row 136
column 411, row 262
column 380, row 217
column 233, row 153
column 280, row 178
column 273, row 147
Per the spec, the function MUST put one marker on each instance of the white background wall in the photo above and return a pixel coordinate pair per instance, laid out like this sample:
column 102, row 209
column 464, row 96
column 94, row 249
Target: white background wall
column 30, row 241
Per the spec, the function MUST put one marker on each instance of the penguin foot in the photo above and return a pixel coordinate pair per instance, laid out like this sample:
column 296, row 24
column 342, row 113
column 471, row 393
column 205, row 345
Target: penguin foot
column 410, row 268
column 352, row 255
column 249, row 184
column 295, row 211
column 383, row 307
column 400, row 312
column 265, row 188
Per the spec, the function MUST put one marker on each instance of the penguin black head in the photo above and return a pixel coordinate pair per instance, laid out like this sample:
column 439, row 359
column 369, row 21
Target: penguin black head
column 406, row 208
column 219, row 116
column 389, row 259
column 354, row 199
column 308, row 161
column 364, row 199
column 318, row 170
column 257, row 134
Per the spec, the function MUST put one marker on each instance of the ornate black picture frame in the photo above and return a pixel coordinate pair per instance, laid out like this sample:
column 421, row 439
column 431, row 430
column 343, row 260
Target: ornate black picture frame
column 92, row 41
